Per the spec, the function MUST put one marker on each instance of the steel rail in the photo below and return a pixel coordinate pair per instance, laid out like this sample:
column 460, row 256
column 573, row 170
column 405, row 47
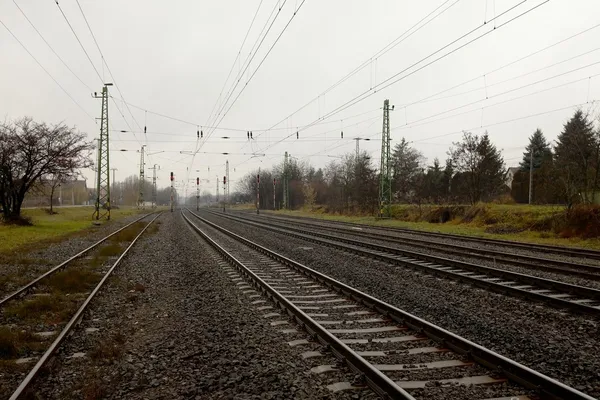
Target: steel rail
column 519, row 260
column 72, row 322
column 395, row 256
column 561, row 250
column 62, row 265
column 518, row 373
column 374, row 378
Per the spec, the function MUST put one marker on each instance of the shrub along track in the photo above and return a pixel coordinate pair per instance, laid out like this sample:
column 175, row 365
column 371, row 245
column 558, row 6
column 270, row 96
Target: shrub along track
column 32, row 315
column 419, row 359
column 577, row 298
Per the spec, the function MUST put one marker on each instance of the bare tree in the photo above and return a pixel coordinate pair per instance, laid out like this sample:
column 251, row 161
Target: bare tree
column 30, row 151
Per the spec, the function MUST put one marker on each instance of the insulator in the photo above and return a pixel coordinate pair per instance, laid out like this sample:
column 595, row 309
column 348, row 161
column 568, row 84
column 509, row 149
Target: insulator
column 201, row 134
column 248, row 134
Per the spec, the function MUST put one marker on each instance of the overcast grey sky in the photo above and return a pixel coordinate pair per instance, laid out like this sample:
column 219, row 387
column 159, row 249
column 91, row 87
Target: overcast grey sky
column 173, row 58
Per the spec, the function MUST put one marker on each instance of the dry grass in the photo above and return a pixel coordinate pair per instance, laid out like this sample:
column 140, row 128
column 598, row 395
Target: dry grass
column 14, row 344
column 128, row 234
column 110, row 250
column 51, row 309
column 74, row 280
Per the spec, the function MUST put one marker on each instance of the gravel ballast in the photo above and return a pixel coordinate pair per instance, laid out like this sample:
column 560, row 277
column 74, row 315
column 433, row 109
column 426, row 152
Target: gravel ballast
column 171, row 324
column 561, row 345
column 505, row 248
column 439, row 251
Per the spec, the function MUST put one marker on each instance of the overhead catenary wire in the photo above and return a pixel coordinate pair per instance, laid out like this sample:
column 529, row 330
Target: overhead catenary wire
column 105, row 63
column 236, row 59
column 50, row 47
column 363, row 65
column 387, row 82
column 46, row 71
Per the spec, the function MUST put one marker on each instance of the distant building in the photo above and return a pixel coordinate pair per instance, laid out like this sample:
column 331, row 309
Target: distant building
column 72, row 193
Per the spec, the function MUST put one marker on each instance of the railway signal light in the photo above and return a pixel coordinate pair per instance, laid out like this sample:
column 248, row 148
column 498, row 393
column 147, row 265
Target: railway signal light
column 297, row 135
column 224, row 180
column 172, row 177
column 342, row 134
column 197, row 181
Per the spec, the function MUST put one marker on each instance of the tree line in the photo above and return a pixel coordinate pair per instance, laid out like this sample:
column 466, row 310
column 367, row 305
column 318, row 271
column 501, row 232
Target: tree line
column 564, row 172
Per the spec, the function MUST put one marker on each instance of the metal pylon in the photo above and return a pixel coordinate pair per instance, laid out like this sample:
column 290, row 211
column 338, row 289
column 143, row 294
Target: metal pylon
column 142, row 180
column 102, row 206
column 385, row 181
column 227, row 184
column 154, row 186
column 286, row 191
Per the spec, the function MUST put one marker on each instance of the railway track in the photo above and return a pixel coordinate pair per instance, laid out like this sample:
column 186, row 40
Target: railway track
column 24, row 289
column 576, row 298
column 575, row 252
column 524, row 261
column 397, row 355
column 41, row 303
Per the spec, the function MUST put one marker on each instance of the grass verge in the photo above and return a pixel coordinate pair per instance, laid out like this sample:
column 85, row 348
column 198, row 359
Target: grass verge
column 48, row 229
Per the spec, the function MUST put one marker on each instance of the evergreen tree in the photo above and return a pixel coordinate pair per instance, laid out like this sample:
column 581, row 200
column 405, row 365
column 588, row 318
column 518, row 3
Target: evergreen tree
column 481, row 164
column 541, row 151
column 407, row 167
column 576, row 159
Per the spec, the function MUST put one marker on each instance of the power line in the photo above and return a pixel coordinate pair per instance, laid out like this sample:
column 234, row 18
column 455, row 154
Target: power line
column 369, row 93
column 46, row 71
column 234, row 61
column 366, row 62
column 241, row 74
column 79, row 41
column 510, row 91
column 114, row 81
column 51, row 48
column 263, row 60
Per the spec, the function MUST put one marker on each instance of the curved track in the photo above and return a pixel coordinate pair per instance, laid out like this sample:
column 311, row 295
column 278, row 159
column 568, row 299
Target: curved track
column 396, row 354
column 577, row 298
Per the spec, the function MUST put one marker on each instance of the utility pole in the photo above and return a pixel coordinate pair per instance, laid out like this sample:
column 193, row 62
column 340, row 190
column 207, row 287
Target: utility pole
column 531, row 176
column 154, row 192
column 285, row 183
column 172, row 179
column 274, row 207
column 114, row 181
column 224, row 192
column 217, row 190
column 103, row 179
column 258, row 192
column 197, row 194
column 227, row 176
column 142, row 180
column 385, row 183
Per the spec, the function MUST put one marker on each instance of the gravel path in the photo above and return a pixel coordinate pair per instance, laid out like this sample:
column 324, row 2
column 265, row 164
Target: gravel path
column 173, row 325
column 553, row 342
column 438, row 251
column 18, row 269
column 504, row 248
